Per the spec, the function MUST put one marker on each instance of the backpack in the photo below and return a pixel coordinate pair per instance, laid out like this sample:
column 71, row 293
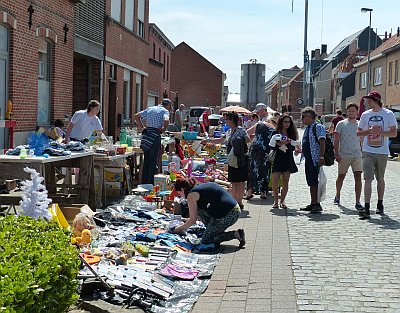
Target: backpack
column 329, row 155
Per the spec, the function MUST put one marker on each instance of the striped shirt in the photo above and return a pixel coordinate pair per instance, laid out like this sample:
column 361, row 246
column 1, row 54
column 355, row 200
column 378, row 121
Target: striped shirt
column 155, row 116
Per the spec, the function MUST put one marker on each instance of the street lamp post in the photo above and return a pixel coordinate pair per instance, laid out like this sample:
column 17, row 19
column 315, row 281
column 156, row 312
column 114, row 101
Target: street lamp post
column 365, row 10
column 305, row 54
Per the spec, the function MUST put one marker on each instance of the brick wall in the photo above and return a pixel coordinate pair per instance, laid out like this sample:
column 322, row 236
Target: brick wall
column 393, row 90
column 131, row 51
column 195, row 78
column 48, row 21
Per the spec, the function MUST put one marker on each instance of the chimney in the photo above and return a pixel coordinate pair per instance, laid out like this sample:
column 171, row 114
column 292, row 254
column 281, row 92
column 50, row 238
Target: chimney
column 385, row 38
column 324, row 49
column 317, row 54
column 312, row 54
column 398, row 31
column 390, row 35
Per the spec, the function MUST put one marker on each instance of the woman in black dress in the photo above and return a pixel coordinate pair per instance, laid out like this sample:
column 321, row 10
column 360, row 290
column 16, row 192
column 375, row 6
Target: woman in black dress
column 284, row 142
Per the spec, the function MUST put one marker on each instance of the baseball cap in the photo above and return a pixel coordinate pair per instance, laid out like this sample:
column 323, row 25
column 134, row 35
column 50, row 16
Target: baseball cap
column 374, row 95
column 259, row 107
column 165, row 101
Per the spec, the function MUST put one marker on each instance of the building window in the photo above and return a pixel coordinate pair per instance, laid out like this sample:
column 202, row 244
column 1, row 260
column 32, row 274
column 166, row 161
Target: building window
column 129, row 13
column 167, row 67
column 163, row 75
column 44, row 81
column 4, row 39
column 377, row 76
column 127, row 96
column 141, row 11
column 396, row 72
column 138, row 92
column 390, row 74
column 116, row 10
column 154, row 51
column 363, row 80
column 159, row 54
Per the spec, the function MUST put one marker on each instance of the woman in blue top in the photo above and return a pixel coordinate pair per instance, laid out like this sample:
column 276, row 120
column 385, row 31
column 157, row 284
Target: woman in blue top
column 216, row 208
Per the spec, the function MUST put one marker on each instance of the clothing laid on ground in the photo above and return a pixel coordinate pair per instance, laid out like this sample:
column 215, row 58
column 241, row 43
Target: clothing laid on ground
column 84, row 125
column 259, row 169
column 218, row 210
column 383, row 119
column 236, row 140
column 284, row 160
column 350, row 145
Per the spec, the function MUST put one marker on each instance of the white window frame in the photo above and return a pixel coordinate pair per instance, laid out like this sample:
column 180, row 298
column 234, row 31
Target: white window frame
column 129, row 14
column 390, row 74
column 44, row 83
column 141, row 14
column 127, row 96
column 363, row 80
column 4, row 57
column 377, row 76
column 396, row 72
column 116, row 10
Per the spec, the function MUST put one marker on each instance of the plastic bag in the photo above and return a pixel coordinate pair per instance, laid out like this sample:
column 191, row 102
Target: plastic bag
column 321, row 185
column 232, row 159
column 83, row 221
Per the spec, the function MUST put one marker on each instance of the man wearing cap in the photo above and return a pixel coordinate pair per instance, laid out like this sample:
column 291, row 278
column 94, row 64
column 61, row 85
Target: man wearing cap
column 376, row 125
column 261, row 111
column 154, row 121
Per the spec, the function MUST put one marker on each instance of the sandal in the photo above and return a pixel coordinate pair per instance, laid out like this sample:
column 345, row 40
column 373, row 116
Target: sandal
column 275, row 206
column 242, row 240
column 283, row 205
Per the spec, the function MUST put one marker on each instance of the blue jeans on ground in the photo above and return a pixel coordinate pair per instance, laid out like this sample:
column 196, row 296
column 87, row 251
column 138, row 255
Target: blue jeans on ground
column 150, row 163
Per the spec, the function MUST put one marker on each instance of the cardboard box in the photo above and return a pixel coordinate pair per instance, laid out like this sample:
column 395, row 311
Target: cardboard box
column 71, row 210
column 112, row 174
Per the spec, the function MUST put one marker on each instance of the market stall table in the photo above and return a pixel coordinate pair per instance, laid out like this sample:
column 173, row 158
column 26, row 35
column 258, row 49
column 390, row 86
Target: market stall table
column 12, row 167
column 103, row 161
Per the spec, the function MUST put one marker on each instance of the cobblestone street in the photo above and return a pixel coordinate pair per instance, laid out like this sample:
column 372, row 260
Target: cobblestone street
column 329, row 262
column 342, row 264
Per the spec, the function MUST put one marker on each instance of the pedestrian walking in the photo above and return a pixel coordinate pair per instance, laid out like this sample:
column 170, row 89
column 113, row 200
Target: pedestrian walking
column 179, row 118
column 284, row 143
column 347, row 147
column 335, row 121
column 154, row 121
column 313, row 149
column 376, row 125
column 259, row 165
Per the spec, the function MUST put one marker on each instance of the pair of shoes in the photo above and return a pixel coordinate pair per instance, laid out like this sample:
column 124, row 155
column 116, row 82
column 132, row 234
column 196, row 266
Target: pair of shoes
column 283, row 205
column 316, row 208
column 359, row 206
column 336, row 200
column 263, row 195
column 364, row 214
column 275, row 206
column 248, row 197
column 379, row 209
column 242, row 240
column 307, row 208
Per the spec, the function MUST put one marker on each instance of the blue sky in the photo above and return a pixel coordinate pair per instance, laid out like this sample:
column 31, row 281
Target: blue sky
column 231, row 32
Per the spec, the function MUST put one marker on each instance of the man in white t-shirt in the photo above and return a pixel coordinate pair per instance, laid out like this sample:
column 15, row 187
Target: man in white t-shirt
column 347, row 147
column 84, row 123
column 179, row 116
column 376, row 125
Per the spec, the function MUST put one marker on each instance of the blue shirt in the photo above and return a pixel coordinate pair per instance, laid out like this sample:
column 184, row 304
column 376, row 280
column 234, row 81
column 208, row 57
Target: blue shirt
column 310, row 143
column 155, row 116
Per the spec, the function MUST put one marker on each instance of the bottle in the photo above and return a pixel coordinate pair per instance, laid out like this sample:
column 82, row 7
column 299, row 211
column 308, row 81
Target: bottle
column 164, row 161
column 23, row 154
column 190, row 166
column 122, row 136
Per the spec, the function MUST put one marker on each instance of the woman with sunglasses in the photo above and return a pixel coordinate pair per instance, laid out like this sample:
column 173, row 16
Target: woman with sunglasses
column 215, row 207
column 284, row 142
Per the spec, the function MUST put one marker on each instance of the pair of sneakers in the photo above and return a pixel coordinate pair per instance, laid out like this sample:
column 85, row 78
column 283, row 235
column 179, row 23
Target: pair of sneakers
column 313, row 208
column 358, row 205
column 366, row 214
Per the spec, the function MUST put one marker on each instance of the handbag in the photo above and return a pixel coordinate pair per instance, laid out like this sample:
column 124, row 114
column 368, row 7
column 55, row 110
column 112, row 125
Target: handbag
column 271, row 156
column 232, row 159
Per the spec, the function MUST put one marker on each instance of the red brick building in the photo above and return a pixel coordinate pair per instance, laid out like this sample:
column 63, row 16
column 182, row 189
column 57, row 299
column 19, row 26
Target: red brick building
column 159, row 66
column 126, row 62
column 197, row 81
column 292, row 91
column 36, row 58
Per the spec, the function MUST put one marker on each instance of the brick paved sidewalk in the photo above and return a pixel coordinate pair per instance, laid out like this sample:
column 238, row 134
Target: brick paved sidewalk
column 258, row 278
